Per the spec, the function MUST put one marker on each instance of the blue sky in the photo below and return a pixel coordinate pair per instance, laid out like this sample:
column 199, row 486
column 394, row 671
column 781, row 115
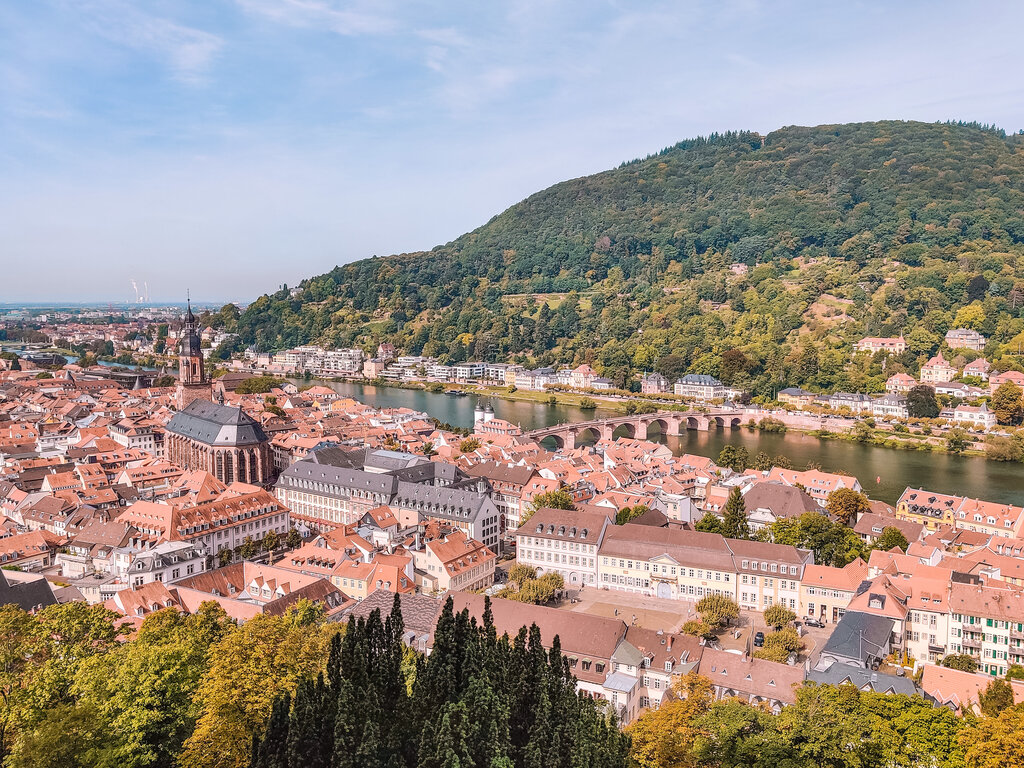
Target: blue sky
column 229, row 146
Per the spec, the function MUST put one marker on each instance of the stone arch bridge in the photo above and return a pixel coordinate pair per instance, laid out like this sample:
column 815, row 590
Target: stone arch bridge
column 637, row 426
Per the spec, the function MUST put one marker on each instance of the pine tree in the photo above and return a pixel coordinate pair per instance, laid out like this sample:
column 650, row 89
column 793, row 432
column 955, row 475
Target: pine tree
column 734, row 522
column 478, row 701
column 272, row 751
column 346, row 728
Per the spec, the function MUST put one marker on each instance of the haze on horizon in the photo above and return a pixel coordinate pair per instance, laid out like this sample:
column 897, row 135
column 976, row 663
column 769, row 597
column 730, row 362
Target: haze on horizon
column 231, row 146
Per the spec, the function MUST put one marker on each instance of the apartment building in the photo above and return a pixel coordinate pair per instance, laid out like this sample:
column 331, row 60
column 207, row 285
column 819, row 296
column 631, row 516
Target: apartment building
column 891, row 406
column 965, row 338
column 768, row 574
column 564, row 542
column 469, row 372
column 936, row 509
column 825, row 591
column 224, row 523
column 699, row 387
column 873, row 344
column 456, row 562
column 937, row 369
column 987, row 623
column 817, row 484
column 507, row 481
column 688, row 565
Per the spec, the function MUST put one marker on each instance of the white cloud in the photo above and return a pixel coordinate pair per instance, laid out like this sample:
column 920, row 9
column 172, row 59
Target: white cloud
column 188, row 52
column 349, row 19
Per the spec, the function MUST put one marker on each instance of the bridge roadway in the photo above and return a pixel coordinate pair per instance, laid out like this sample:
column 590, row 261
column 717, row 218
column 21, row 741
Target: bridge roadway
column 637, row 425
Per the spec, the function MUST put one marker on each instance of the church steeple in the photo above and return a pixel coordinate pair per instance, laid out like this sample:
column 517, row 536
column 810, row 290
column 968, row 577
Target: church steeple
column 190, row 352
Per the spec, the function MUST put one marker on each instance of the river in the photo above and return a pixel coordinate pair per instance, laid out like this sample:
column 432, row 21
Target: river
column 893, row 469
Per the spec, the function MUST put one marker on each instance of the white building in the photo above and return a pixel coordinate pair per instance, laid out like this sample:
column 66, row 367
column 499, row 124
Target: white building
column 467, row 372
column 166, row 562
column 699, row 387
column 972, row 416
column 965, row 338
column 890, row 407
column 563, row 542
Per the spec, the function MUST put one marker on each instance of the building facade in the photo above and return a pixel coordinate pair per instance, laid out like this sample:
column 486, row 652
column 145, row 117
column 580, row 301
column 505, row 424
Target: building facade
column 221, row 440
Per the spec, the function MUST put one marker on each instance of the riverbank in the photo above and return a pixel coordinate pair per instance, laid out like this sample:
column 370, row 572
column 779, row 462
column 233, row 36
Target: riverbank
column 880, row 438
column 897, row 441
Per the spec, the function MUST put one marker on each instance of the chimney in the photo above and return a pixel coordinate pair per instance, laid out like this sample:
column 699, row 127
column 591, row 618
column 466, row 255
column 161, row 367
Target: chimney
column 670, row 642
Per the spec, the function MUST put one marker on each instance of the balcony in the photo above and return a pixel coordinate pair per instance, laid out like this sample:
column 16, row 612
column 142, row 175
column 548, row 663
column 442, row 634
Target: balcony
column 970, row 642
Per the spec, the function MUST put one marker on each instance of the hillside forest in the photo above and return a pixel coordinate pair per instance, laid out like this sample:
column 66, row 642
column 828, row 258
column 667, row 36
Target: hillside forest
column 757, row 259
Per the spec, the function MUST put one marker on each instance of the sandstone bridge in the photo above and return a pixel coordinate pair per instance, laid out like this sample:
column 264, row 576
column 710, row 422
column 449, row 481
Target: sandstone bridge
column 637, row 426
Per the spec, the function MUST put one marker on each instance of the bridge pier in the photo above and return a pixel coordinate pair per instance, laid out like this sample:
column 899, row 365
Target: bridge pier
column 641, row 430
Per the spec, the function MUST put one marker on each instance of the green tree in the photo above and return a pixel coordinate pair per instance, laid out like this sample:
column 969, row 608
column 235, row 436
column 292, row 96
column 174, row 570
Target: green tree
column 249, row 549
column 1000, row 448
column 847, row 505
column 995, row 698
column 271, row 541
column 995, row 742
column 832, row 542
column 519, row 574
column 779, row 645
column 1007, row 405
column 921, row 402
column 734, row 516
column 778, row 616
column 891, row 537
column 560, row 499
column 626, row 514
column 962, row 661
column 717, row 610
column 469, row 445
column 710, row 523
column 957, row 440
column 248, row 669
column 257, row 385
column 763, row 462
column 143, row 691
column 293, row 539
column 735, row 457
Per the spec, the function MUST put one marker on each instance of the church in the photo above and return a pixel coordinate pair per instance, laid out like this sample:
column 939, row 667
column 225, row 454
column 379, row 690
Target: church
column 206, row 435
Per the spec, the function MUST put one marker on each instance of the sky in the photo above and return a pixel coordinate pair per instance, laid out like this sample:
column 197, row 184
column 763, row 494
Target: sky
column 228, row 147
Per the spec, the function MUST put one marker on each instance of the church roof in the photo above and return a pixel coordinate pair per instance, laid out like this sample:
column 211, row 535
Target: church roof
column 216, row 425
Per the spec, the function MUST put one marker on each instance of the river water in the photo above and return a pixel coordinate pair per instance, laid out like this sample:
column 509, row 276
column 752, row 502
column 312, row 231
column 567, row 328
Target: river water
column 884, row 472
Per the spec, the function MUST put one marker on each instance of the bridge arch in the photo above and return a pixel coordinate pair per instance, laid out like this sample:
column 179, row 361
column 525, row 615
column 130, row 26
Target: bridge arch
column 587, row 435
column 553, row 438
column 659, row 426
column 625, row 429
column 692, row 422
column 724, row 422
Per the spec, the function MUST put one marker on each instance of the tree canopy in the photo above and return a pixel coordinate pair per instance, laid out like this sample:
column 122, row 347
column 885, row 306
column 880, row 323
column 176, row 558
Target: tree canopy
column 844, row 230
column 476, row 700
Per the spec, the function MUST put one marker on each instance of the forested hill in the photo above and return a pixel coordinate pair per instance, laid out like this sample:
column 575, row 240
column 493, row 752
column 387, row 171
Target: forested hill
column 843, row 231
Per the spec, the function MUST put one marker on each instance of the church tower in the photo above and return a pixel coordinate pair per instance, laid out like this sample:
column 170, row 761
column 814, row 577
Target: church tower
column 192, row 383
column 190, row 351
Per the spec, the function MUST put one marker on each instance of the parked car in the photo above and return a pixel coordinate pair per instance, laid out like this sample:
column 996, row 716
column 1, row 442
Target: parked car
column 810, row 621
column 759, row 640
